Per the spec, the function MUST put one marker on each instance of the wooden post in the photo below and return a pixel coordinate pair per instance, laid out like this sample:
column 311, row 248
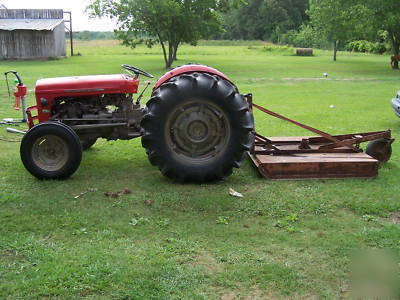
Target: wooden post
column 70, row 31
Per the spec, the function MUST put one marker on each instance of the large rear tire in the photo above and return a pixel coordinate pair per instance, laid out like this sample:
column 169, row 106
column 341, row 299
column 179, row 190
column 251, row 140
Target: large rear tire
column 197, row 127
column 51, row 150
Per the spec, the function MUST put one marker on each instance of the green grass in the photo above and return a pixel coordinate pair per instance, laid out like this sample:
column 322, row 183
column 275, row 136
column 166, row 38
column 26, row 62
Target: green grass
column 284, row 239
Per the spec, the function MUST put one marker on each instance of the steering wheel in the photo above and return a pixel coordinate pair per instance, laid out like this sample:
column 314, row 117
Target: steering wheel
column 136, row 70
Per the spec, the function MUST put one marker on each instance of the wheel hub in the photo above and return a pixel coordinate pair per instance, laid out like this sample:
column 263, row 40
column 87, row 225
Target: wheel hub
column 199, row 130
column 50, row 152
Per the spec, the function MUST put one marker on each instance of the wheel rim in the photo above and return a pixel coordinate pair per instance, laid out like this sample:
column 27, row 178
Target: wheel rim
column 198, row 130
column 50, row 153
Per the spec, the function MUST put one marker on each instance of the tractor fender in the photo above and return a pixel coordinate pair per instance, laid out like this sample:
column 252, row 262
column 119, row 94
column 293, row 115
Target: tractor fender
column 190, row 68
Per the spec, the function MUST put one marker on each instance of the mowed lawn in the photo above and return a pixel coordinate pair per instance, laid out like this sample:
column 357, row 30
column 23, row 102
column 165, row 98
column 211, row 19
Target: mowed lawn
column 283, row 239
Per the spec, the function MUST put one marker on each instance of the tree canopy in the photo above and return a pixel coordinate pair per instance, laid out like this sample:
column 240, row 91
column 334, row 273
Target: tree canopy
column 264, row 19
column 345, row 24
column 169, row 22
column 336, row 20
column 385, row 14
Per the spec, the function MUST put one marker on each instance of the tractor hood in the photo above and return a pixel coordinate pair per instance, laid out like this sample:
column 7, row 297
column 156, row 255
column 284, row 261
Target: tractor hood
column 87, row 85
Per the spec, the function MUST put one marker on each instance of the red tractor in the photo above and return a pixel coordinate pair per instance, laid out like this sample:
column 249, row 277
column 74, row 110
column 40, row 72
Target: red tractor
column 195, row 127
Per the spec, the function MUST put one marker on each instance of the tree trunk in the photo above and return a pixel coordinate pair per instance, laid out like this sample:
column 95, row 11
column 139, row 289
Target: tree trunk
column 176, row 50
column 396, row 51
column 169, row 57
column 168, row 63
column 396, row 54
column 164, row 52
column 334, row 50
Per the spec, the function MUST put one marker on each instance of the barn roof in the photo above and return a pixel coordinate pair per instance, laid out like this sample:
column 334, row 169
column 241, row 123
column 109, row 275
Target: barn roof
column 29, row 24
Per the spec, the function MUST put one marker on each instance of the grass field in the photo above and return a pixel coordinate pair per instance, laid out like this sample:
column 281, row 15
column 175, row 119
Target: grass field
column 284, row 239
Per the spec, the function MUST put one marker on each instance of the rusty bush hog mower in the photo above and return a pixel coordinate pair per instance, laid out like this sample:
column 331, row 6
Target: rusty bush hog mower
column 195, row 127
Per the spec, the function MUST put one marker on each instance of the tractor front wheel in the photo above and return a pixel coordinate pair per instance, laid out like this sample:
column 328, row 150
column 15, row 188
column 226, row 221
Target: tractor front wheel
column 51, row 150
column 197, row 127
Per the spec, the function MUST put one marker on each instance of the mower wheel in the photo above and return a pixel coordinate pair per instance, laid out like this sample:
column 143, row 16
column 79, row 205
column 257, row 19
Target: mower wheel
column 51, row 150
column 87, row 143
column 380, row 149
column 197, row 127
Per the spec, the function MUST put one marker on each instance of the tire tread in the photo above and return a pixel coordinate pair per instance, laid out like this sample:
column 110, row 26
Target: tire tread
column 196, row 84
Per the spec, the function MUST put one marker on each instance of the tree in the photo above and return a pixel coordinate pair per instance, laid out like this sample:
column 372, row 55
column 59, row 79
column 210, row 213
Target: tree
column 264, row 19
column 168, row 22
column 337, row 20
column 386, row 15
column 84, row 35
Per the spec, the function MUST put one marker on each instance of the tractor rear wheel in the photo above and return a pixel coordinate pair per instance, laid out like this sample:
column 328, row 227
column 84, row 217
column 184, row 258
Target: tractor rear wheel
column 51, row 150
column 197, row 127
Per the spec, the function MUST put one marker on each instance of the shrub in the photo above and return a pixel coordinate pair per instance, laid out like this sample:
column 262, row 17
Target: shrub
column 306, row 37
column 366, row 46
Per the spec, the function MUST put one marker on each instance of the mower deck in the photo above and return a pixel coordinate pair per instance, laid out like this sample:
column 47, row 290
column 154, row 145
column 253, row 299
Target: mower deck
column 322, row 156
column 320, row 165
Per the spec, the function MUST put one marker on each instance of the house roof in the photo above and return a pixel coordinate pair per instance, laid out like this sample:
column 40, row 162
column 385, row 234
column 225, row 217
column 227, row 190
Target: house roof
column 29, row 24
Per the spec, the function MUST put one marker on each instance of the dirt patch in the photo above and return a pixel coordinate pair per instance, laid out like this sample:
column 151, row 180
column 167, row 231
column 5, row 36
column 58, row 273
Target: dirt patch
column 11, row 256
column 395, row 217
column 257, row 293
column 294, row 79
column 255, row 79
column 329, row 79
column 85, row 292
column 228, row 296
column 207, row 262
column 302, row 79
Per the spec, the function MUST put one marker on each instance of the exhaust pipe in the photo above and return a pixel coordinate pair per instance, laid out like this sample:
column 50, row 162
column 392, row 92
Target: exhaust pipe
column 12, row 130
